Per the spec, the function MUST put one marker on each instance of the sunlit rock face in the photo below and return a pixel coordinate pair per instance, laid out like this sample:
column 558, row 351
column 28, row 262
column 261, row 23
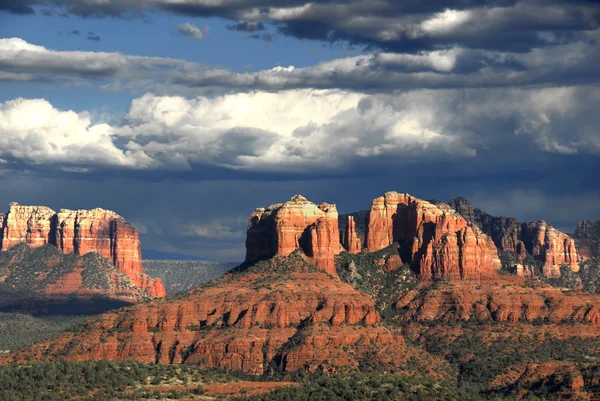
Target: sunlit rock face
column 440, row 243
column 296, row 224
column 80, row 231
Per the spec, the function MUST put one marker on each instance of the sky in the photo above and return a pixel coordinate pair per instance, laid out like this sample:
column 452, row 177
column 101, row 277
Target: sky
column 184, row 116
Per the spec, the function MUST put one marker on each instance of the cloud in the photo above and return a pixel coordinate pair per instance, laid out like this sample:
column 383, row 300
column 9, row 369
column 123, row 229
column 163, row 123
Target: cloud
column 568, row 64
column 93, row 36
column 192, row 31
column 304, row 131
column 73, row 33
column 390, row 25
column 16, row 7
column 247, row 26
column 33, row 131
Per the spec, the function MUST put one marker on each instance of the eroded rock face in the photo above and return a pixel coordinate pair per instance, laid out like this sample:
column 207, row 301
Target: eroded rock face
column 29, row 224
column 437, row 240
column 551, row 246
column 296, row 224
column 80, row 232
column 503, row 298
column 352, row 242
column 545, row 243
column 587, row 239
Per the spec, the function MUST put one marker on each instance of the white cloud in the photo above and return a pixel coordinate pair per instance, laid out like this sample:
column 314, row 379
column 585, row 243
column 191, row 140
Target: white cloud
column 302, row 130
column 193, row 31
column 35, row 132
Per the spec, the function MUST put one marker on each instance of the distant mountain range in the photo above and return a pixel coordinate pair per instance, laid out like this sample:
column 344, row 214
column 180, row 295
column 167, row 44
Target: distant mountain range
column 155, row 254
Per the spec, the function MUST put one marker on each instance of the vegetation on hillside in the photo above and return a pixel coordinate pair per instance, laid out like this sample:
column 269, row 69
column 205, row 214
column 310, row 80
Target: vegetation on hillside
column 364, row 271
column 183, row 275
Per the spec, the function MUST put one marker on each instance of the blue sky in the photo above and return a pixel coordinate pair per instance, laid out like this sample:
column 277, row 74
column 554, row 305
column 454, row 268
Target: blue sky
column 180, row 121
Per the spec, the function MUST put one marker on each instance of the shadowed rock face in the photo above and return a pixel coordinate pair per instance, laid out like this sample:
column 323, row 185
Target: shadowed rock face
column 80, row 232
column 545, row 243
column 587, row 239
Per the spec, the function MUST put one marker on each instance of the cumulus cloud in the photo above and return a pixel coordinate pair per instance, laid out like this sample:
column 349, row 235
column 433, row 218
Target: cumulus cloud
column 33, row 131
column 192, row 31
column 305, row 131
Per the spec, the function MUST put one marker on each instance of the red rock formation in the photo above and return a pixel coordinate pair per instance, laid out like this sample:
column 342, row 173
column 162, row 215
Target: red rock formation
column 382, row 230
column 352, row 242
column 503, row 298
column 296, row 224
column 80, row 232
column 545, row 243
column 551, row 246
column 30, row 224
column 43, row 277
column 441, row 243
column 279, row 313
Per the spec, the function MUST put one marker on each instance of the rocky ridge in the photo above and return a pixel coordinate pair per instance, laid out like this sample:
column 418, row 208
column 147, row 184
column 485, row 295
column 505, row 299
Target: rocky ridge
column 80, row 232
column 543, row 242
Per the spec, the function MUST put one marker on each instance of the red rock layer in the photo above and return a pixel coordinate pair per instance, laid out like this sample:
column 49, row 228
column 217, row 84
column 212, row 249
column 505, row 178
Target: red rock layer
column 551, row 246
column 30, row 224
column 240, row 323
column 80, row 232
column 503, row 298
column 352, row 242
column 296, row 224
column 441, row 243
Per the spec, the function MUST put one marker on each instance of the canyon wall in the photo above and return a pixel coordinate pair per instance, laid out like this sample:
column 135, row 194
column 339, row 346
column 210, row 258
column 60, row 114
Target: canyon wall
column 80, row 232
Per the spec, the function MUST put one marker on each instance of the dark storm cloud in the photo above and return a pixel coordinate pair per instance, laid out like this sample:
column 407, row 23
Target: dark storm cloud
column 16, row 7
column 246, row 26
column 405, row 26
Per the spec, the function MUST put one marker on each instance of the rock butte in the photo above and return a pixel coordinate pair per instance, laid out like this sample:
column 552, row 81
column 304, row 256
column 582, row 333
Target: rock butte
column 545, row 243
column 437, row 240
column 80, row 232
column 296, row 224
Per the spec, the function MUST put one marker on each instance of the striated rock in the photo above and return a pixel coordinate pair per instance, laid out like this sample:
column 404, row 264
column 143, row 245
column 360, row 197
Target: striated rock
column 352, row 242
column 587, row 239
column 436, row 240
column 29, row 224
column 545, row 243
column 281, row 313
column 296, row 224
column 503, row 298
column 551, row 246
column 80, row 232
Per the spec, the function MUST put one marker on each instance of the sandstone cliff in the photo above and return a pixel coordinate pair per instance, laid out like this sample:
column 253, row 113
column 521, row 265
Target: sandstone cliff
column 296, row 224
column 543, row 242
column 80, row 232
column 435, row 239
